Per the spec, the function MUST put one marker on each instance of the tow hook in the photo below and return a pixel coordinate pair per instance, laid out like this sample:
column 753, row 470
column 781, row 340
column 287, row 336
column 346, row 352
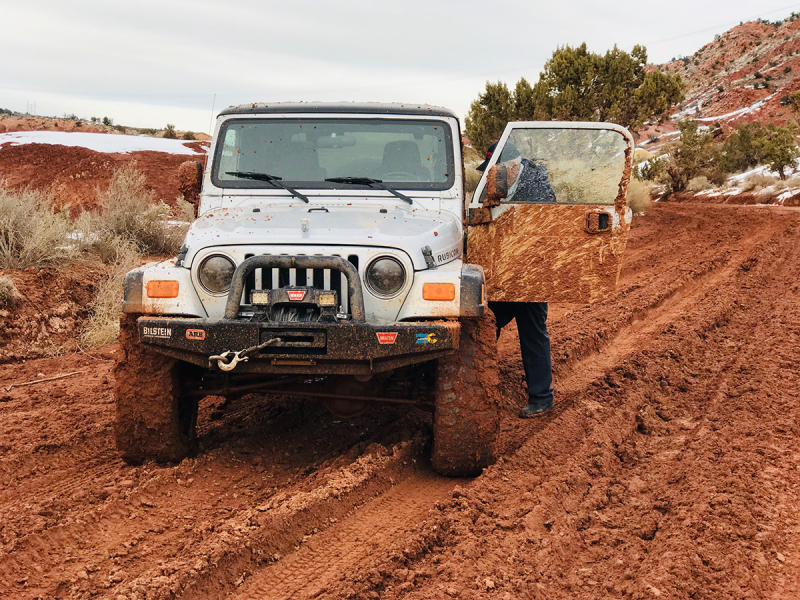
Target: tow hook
column 229, row 364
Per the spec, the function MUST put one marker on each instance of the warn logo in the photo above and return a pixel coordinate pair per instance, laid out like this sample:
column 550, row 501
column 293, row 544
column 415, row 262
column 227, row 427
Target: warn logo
column 386, row 337
column 296, row 295
column 195, row 334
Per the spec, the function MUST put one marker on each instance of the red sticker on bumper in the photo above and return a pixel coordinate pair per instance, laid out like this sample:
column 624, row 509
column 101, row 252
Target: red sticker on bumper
column 296, row 295
column 195, row 334
column 386, row 337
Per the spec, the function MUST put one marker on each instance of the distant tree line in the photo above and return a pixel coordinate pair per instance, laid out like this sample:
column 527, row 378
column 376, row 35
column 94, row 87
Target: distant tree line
column 577, row 85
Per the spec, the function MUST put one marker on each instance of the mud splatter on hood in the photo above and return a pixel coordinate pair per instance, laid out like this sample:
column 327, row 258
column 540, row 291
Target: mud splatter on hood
column 408, row 229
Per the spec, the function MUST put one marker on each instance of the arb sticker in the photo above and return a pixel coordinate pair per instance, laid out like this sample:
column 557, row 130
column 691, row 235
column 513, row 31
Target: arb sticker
column 195, row 334
column 296, row 295
column 386, row 337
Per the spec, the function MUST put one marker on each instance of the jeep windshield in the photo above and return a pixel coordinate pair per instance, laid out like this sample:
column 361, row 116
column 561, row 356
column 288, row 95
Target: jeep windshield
column 411, row 154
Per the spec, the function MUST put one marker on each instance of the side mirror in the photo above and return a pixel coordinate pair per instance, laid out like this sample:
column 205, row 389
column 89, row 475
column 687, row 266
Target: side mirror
column 190, row 181
column 496, row 186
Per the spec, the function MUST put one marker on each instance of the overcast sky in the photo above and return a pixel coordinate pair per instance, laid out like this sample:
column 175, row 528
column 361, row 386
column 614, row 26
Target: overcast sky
column 150, row 62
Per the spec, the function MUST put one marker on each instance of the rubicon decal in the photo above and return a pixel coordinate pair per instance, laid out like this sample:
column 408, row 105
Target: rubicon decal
column 296, row 295
column 386, row 337
column 451, row 254
column 427, row 338
column 195, row 334
column 157, row 332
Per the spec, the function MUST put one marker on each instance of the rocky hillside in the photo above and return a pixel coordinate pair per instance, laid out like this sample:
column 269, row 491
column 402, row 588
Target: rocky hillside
column 745, row 74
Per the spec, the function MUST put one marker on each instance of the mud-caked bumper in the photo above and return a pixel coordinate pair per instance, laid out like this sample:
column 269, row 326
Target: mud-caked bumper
column 313, row 348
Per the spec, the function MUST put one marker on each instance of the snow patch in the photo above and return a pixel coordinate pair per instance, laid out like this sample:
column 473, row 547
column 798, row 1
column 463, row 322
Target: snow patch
column 100, row 142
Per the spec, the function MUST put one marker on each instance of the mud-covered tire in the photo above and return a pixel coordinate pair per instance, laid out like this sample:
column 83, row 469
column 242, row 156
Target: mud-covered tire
column 153, row 420
column 466, row 416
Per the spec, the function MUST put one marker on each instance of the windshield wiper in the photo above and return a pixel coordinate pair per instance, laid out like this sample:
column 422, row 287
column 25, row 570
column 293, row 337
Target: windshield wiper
column 271, row 179
column 372, row 183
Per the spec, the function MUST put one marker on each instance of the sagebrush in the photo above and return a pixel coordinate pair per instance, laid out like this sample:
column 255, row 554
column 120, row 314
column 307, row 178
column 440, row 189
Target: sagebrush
column 130, row 211
column 639, row 197
column 102, row 326
column 9, row 295
column 32, row 232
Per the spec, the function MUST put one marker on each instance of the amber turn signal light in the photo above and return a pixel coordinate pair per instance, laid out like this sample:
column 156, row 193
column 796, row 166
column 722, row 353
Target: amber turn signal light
column 439, row 291
column 162, row 289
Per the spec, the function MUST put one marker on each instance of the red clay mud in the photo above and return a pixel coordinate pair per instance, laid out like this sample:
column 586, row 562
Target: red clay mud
column 77, row 175
column 667, row 469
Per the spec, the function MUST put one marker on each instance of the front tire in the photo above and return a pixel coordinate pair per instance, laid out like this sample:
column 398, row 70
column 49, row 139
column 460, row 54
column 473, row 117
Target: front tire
column 466, row 417
column 154, row 420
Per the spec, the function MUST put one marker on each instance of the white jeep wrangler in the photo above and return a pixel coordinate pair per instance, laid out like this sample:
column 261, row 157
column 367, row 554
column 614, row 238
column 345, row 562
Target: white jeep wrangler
column 327, row 261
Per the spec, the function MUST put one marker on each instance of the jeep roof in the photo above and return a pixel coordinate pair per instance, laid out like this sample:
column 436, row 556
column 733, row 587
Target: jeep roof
column 376, row 108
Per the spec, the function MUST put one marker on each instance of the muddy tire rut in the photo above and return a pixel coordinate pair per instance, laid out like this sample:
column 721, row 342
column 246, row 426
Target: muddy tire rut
column 651, row 477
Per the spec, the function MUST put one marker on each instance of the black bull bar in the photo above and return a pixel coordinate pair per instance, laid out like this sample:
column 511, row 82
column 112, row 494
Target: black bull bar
column 343, row 347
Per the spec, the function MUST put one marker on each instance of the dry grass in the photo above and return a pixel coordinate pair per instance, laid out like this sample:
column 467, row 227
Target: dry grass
column 8, row 292
column 698, row 184
column 103, row 324
column 759, row 182
column 131, row 224
column 471, row 179
column 130, row 211
column 639, row 197
column 32, row 232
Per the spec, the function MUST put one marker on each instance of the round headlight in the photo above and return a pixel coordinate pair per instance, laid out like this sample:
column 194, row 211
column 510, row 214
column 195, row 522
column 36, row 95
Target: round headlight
column 385, row 277
column 215, row 273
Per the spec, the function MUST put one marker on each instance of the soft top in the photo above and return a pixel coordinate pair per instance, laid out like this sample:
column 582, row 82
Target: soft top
column 374, row 108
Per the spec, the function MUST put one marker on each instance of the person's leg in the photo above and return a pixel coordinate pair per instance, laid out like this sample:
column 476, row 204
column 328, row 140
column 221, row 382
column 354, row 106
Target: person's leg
column 535, row 346
column 503, row 313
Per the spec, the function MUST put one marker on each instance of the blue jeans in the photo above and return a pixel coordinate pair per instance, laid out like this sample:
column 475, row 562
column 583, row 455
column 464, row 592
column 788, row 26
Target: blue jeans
column 534, row 343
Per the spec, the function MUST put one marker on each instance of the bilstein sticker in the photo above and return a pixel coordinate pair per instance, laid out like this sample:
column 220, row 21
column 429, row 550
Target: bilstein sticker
column 386, row 337
column 195, row 334
column 296, row 295
column 157, row 332
column 427, row 338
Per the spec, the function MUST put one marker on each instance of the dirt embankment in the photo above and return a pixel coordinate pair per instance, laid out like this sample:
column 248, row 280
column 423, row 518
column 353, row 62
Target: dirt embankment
column 77, row 175
column 668, row 468
column 50, row 313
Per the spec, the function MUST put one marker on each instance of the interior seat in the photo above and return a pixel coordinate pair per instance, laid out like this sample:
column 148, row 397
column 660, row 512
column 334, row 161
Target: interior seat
column 402, row 156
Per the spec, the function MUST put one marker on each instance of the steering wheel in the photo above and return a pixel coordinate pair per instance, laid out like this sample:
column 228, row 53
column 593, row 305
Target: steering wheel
column 402, row 176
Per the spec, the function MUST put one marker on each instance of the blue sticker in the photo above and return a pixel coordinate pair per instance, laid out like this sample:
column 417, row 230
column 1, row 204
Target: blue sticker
column 426, row 338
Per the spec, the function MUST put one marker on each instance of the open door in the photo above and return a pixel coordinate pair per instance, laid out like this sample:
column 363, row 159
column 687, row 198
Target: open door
column 549, row 220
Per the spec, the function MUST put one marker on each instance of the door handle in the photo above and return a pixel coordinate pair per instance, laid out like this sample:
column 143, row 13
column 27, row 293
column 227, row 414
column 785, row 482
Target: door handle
column 598, row 222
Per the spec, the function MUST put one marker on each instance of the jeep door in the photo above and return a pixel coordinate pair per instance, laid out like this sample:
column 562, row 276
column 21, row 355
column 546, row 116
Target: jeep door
column 549, row 220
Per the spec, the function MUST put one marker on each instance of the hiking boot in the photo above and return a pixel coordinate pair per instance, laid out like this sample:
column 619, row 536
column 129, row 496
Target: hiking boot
column 535, row 409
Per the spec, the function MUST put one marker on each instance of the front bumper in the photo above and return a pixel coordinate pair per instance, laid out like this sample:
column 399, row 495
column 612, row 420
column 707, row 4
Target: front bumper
column 350, row 347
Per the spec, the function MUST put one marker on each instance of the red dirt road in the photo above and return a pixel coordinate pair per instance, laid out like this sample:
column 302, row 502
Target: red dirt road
column 668, row 468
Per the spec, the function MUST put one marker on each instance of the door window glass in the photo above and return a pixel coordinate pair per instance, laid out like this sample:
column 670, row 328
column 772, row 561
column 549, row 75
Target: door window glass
column 561, row 166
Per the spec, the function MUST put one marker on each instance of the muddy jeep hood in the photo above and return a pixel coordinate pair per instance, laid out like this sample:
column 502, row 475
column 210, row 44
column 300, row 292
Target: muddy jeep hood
column 408, row 229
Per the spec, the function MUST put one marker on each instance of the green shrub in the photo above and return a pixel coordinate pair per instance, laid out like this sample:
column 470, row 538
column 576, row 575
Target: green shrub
column 189, row 135
column 693, row 155
column 32, row 232
column 169, row 131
